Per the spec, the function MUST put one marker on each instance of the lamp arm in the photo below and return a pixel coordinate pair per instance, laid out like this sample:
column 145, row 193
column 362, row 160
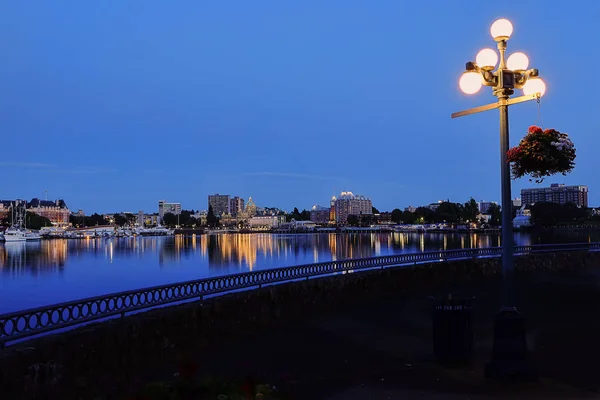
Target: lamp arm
column 521, row 77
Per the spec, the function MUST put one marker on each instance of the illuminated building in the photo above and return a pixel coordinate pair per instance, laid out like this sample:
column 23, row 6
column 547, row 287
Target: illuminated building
column 165, row 208
column 350, row 204
column 219, row 203
column 319, row 214
column 56, row 211
column 236, row 206
column 556, row 193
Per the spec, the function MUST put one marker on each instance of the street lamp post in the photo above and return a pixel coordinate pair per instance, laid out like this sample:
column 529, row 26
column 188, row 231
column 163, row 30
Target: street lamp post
column 510, row 354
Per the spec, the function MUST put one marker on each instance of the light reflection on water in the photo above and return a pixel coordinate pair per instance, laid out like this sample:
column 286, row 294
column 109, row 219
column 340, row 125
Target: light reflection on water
column 52, row 271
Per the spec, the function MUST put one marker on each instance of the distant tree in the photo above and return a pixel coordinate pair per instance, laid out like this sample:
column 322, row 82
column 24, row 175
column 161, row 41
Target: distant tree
column 120, row 220
column 470, row 210
column 352, row 220
column 495, row 213
column 211, row 219
column 448, row 212
column 397, row 215
column 366, row 220
column 374, row 210
column 95, row 220
column 408, row 217
column 305, row 215
column 131, row 218
column 424, row 215
column 295, row 215
column 169, row 219
column 35, row 221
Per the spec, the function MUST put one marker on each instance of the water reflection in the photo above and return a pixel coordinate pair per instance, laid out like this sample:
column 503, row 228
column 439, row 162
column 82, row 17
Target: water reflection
column 247, row 252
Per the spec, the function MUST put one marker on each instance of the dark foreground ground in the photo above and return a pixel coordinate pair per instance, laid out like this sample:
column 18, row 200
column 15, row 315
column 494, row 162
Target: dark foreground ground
column 382, row 350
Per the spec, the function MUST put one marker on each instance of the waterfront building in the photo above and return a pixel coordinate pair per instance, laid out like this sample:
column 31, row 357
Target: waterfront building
column 219, row 203
column 410, row 209
column 140, row 218
column 384, row 218
column 350, row 204
column 165, row 208
column 484, row 206
column 56, row 211
column 557, row 193
column 236, row 205
column 319, row 214
column 266, row 222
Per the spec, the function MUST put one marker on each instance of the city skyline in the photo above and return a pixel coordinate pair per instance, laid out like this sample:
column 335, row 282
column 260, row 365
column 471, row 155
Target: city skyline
column 288, row 104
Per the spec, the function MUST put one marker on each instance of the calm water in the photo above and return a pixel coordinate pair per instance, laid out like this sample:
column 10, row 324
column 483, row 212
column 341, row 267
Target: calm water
column 52, row 271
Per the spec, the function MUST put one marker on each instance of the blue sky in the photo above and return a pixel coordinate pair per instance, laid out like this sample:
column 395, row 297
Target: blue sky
column 114, row 105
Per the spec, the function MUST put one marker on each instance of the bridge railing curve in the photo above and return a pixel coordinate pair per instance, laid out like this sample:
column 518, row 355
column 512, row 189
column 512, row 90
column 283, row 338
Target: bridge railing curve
column 32, row 322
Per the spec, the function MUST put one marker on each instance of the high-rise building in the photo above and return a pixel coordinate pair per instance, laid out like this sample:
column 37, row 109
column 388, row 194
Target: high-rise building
column 350, row 204
column 236, row 206
column 219, row 203
column 165, row 208
column 557, row 193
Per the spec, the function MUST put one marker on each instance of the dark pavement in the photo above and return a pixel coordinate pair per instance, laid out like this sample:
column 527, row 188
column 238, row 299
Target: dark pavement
column 382, row 349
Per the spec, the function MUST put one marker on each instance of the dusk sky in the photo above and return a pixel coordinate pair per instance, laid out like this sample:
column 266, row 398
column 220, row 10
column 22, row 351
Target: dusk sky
column 114, row 105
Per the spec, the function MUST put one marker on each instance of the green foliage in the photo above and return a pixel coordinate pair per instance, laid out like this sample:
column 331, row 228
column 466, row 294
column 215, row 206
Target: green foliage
column 448, row 212
column 35, row 221
column 298, row 216
column 88, row 221
column 211, row 219
column 408, row 217
column 495, row 212
column 424, row 215
column 120, row 220
column 374, row 210
column 169, row 219
column 397, row 215
column 353, row 220
column 553, row 214
column 470, row 210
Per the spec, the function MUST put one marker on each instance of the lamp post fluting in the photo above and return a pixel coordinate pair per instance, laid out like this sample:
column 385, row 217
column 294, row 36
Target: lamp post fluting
column 510, row 354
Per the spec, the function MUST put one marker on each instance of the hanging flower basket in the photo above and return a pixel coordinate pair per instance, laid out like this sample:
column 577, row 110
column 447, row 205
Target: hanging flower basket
column 542, row 153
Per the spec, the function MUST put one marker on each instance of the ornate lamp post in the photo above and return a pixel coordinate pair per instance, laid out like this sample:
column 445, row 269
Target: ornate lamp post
column 510, row 354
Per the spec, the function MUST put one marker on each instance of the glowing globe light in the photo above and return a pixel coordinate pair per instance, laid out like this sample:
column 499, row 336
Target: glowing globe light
column 534, row 85
column 470, row 82
column 487, row 58
column 517, row 61
column 501, row 28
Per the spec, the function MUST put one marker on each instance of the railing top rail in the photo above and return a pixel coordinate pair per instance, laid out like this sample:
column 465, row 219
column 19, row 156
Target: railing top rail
column 18, row 324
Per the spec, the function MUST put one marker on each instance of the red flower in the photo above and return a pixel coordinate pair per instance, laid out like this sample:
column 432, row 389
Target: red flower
column 534, row 129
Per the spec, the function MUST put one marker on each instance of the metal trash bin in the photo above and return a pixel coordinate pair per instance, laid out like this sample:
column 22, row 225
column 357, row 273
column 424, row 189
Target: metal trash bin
column 452, row 330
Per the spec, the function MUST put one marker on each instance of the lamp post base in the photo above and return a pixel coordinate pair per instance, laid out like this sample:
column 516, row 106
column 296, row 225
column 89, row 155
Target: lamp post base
column 510, row 359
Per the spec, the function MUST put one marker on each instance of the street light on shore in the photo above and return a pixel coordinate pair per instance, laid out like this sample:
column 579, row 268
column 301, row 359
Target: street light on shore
column 510, row 354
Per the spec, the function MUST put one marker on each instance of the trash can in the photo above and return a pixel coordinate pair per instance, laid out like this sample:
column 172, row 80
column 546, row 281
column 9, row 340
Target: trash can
column 452, row 330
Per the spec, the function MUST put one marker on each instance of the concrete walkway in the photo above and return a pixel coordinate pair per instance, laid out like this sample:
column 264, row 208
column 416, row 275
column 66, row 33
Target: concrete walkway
column 382, row 350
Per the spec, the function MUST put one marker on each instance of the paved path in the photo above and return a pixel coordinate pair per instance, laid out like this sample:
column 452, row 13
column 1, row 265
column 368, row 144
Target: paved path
column 382, row 350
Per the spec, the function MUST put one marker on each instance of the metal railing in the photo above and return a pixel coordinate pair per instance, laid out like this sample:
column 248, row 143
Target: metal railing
column 36, row 321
